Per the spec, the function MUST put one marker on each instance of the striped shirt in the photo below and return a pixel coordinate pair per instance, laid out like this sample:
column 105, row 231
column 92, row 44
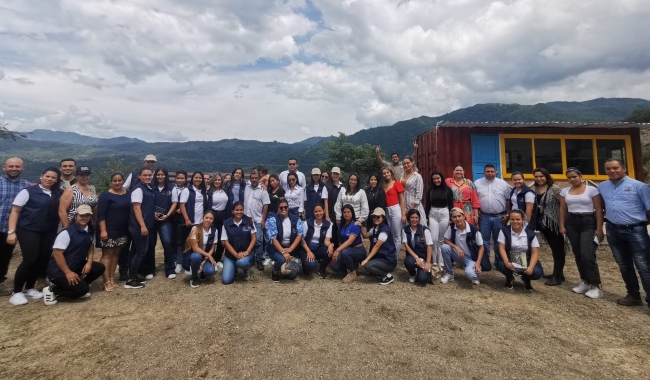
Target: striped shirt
column 79, row 198
column 8, row 191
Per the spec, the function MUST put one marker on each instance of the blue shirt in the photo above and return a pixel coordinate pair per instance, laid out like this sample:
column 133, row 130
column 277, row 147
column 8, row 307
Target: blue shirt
column 351, row 229
column 626, row 202
column 8, row 191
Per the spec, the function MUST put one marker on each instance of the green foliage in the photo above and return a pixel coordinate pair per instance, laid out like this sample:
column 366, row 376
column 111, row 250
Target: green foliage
column 101, row 177
column 352, row 159
column 640, row 115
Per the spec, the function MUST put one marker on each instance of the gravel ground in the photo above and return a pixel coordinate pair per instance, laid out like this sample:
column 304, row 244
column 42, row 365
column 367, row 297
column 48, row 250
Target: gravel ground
column 313, row 329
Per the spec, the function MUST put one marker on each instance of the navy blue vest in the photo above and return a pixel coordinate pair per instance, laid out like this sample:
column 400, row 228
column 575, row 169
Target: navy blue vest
column 387, row 251
column 147, row 207
column 239, row 237
column 310, row 231
column 294, row 230
column 521, row 197
column 470, row 239
column 419, row 246
column 231, row 197
column 507, row 233
column 163, row 197
column 40, row 213
column 76, row 254
column 313, row 199
column 332, row 196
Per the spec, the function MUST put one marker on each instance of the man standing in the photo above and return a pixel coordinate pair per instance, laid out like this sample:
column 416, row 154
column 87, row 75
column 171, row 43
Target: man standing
column 627, row 211
column 493, row 194
column 395, row 165
column 67, row 166
column 133, row 178
column 256, row 206
column 333, row 190
column 292, row 167
column 10, row 186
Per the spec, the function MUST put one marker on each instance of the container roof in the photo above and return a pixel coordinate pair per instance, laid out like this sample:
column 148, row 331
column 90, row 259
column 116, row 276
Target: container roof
column 541, row 124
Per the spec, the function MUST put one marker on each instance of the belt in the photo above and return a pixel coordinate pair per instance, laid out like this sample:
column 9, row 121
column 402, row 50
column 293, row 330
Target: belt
column 583, row 213
column 493, row 215
column 626, row 226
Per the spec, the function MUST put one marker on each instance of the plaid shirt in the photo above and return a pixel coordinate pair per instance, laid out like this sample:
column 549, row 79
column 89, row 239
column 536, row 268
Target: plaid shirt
column 8, row 191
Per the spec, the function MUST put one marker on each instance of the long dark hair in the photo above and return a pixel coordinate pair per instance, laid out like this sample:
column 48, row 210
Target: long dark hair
column 442, row 185
column 232, row 178
column 202, row 187
column 166, row 181
column 547, row 175
column 377, row 177
column 354, row 217
column 295, row 175
column 56, row 187
column 347, row 185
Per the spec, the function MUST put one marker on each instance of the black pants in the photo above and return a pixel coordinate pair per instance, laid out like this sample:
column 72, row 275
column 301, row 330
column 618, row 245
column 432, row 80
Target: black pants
column 219, row 218
column 556, row 243
column 63, row 288
column 580, row 229
column 37, row 250
column 6, row 252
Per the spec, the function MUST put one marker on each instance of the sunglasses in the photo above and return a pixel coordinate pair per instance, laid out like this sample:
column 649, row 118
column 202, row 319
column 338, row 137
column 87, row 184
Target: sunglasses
column 292, row 164
column 150, row 162
column 377, row 216
column 324, row 177
column 283, row 207
column 292, row 179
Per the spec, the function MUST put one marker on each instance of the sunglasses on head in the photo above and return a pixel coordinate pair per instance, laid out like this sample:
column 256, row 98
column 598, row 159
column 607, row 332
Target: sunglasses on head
column 283, row 207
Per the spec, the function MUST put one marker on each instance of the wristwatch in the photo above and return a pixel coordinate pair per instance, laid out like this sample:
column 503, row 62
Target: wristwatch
column 10, row 232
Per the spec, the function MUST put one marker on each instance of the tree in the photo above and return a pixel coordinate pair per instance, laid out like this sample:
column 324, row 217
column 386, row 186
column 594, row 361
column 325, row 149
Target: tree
column 101, row 178
column 640, row 115
column 352, row 159
column 5, row 133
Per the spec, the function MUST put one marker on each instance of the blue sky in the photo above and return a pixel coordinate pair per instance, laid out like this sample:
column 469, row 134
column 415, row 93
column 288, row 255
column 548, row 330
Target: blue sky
column 286, row 70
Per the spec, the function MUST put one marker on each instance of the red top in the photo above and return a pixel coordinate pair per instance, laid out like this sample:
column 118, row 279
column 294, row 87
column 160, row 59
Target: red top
column 392, row 194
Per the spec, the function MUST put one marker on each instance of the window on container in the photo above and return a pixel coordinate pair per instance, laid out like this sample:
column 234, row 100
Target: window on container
column 548, row 155
column 580, row 154
column 609, row 149
column 519, row 155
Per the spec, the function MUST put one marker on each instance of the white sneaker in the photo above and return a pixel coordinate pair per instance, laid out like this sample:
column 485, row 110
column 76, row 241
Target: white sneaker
column 188, row 272
column 219, row 265
column 49, row 298
column 33, row 294
column 18, row 299
column 149, row 277
column 447, row 278
column 171, row 276
column 87, row 295
column 594, row 292
column 411, row 279
column 476, row 282
column 194, row 283
column 582, row 288
column 267, row 262
column 247, row 275
column 179, row 269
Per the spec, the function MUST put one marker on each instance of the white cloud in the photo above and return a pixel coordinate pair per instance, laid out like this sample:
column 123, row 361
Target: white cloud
column 260, row 69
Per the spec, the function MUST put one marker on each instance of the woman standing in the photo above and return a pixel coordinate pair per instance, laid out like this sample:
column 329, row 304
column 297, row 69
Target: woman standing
column 80, row 193
column 351, row 194
column 521, row 196
column 315, row 194
column 375, row 195
column 418, row 245
column 284, row 232
column 547, row 221
column 141, row 221
column 295, row 196
column 177, row 220
column 350, row 252
column 413, row 188
column 72, row 269
column 235, row 189
column 113, row 212
column 165, row 208
column 199, row 248
column 581, row 219
column 218, row 201
column 381, row 259
column 395, row 205
column 518, row 247
column 33, row 223
column 438, row 205
column 276, row 194
column 317, row 245
column 194, row 202
column 238, row 235
column 465, row 195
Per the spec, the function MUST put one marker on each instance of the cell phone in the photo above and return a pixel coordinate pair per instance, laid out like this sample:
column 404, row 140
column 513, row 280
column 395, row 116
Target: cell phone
column 596, row 240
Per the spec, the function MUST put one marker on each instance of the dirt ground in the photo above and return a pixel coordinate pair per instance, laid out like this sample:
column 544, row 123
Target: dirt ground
column 314, row 329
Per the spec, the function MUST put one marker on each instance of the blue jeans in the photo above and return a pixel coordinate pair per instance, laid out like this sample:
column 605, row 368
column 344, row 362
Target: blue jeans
column 538, row 271
column 230, row 267
column 349, row 259
column 165, row 233
column 193, row 261
column 449, row 255
column 139, row 251
column 414, row 270
column 278, row 260
column 490, row 227
column 320, row 254
column 631, row 247
column 258, row 250
column 182, row 232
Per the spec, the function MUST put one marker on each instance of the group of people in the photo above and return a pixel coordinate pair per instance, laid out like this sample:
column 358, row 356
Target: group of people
column 215, row 223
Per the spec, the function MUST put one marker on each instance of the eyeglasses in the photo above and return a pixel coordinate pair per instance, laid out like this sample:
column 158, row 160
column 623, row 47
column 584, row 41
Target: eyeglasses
column 283, row 207
column 292, row 179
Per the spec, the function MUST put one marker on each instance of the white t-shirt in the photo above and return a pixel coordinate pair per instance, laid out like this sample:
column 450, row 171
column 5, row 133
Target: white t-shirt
column 316, row 238
column 286, row 232
column 198, row 203
column 176, row 192
column 23, row 196
column 219, row 200
column 518, row 243
column 63, row 240
column 127, row 183
column 461, row 237
column 323, row 195
column 206, row 234
column 382, row 235
column 580, row 203
column 224, row 233
column 528, row 198
column 136, row 196
column 427, row 237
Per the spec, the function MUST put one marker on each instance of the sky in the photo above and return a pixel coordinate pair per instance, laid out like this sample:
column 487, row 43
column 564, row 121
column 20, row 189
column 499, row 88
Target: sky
column 287, row 70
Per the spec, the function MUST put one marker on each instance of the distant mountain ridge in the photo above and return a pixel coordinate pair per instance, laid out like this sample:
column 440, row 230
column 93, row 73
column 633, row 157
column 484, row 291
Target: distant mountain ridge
column 38, row 151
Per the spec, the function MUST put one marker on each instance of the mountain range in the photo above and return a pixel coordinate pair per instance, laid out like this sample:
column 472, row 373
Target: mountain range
column 44, row 148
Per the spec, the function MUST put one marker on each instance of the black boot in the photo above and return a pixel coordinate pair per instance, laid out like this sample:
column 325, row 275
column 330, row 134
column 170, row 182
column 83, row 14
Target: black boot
column 554, row 281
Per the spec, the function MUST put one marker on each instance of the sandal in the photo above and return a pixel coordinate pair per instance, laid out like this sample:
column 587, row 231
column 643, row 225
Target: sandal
column 108, row 287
